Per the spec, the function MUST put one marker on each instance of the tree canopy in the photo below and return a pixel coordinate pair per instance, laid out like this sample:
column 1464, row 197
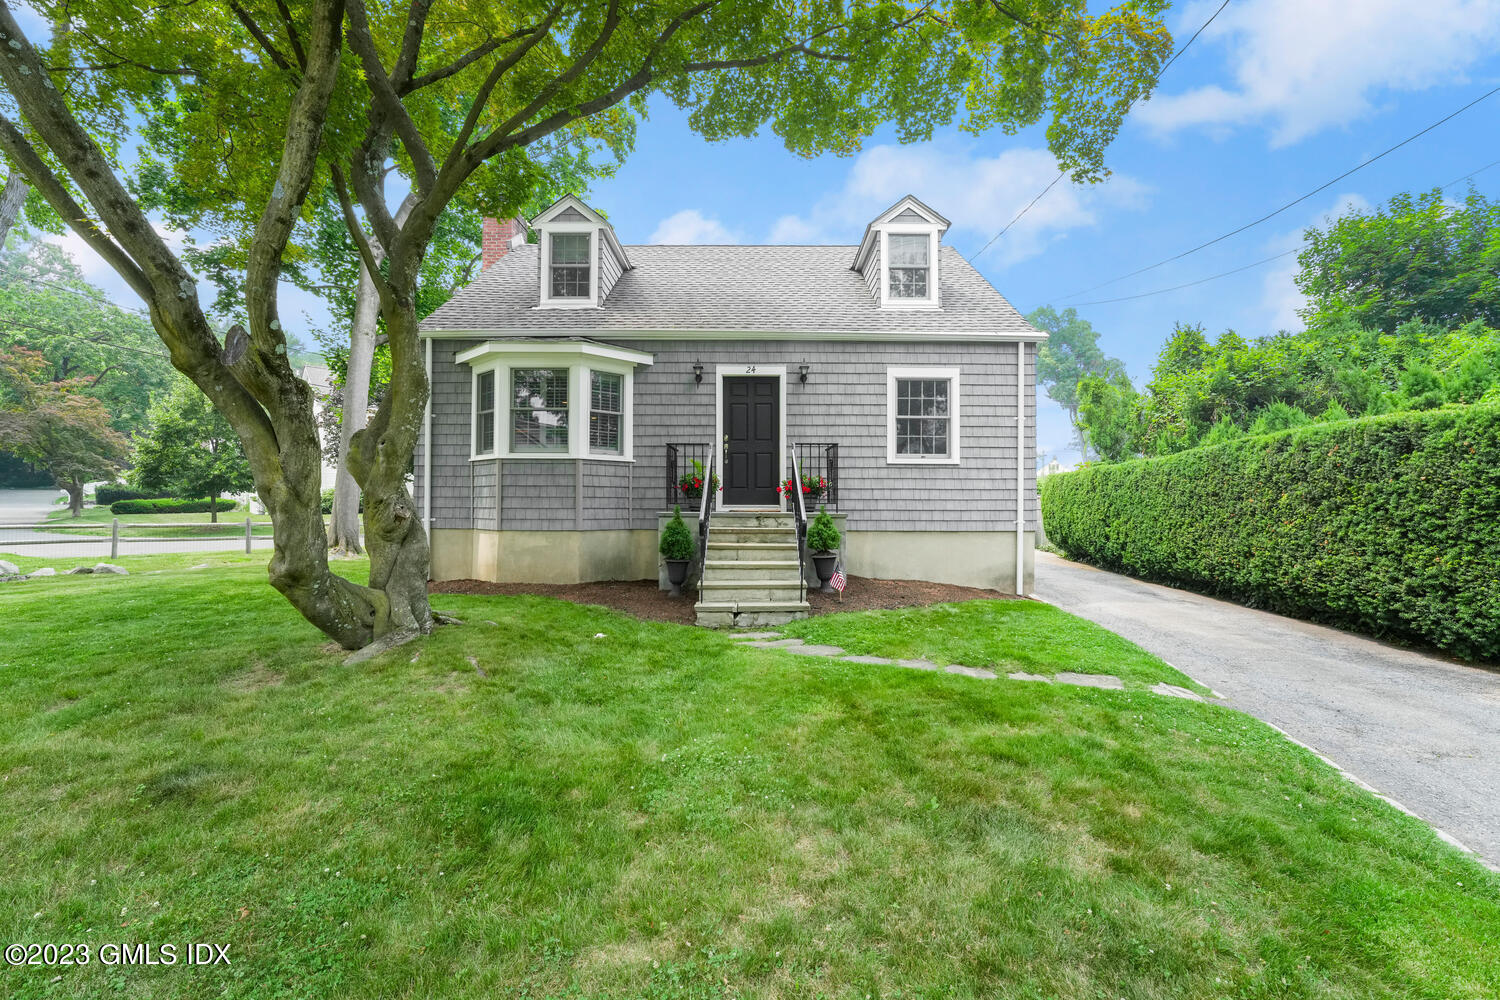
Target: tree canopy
column 189, row 450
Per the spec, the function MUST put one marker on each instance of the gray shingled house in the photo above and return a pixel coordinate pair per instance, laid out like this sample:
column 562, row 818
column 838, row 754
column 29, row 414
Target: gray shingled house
column 580, row 387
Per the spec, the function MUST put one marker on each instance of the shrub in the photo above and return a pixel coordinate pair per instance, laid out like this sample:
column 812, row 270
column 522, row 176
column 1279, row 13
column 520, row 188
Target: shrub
column 328, row 501
column 1388, row 524
column 676, row 540
column 167, row 506
column 107, row 494
column 822, row 536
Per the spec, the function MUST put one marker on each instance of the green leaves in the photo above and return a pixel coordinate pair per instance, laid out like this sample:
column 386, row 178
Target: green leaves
column 1389, row 525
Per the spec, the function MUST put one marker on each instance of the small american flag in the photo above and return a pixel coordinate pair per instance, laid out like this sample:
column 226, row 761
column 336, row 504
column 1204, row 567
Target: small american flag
column 837, row 581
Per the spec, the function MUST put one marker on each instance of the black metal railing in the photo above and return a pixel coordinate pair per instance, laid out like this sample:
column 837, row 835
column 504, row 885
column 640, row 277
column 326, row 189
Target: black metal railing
column 819, row 465
column 799, row 511
column 706, row 503
column 686, row 462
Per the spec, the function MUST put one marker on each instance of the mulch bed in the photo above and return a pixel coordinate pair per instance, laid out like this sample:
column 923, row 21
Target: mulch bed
column 642, row 599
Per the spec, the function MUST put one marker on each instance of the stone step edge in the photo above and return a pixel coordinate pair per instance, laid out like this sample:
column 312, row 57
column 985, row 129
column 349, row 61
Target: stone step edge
column 752, row 606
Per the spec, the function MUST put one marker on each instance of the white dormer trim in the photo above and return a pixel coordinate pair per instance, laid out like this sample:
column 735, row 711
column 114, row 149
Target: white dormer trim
column 908, row 203
column 544, row 271
column 932, row 300
column 875, row 252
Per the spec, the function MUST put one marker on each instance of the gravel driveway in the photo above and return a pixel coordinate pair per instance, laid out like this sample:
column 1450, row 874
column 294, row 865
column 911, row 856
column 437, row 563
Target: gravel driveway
column 1419, row 729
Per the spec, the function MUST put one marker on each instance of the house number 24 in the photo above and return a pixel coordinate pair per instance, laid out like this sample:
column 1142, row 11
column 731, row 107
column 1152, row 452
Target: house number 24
column 749, row 369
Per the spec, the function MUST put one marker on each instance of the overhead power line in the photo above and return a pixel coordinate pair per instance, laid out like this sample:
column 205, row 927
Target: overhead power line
column 1295, row 201
column 1062, row 173
column 1246, row 267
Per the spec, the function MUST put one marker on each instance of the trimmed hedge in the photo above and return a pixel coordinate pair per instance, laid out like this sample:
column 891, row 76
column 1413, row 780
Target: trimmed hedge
column 1388, row 525
column 106, row 495
column 167, row 506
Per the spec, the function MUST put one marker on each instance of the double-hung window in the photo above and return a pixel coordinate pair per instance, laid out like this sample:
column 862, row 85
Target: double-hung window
column 606, row 412
column 538, row 410
column 923, row 415
column 909, row 265
column 484, row 413
column 569, row 265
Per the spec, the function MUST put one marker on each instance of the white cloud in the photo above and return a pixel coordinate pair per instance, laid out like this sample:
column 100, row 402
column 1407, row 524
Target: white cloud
column 1280, row 296
column 978, row 194
column 1299, row 66
column 691, row 226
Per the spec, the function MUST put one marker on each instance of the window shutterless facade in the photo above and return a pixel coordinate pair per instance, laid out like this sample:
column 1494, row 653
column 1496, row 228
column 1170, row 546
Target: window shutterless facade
column 922, row 419
column 569, row 265
column 606, row 411
column 563, row 401
column 484, row 413
column 909, row 266
column 539, row 410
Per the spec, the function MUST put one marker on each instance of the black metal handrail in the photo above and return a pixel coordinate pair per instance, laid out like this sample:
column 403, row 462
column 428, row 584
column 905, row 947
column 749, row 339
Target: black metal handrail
column 820, row 463
column 682, row 461
column 705, row 507
column 800, row 512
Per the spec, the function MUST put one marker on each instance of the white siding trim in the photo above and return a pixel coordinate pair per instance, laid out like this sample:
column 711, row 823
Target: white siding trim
column 954, row 410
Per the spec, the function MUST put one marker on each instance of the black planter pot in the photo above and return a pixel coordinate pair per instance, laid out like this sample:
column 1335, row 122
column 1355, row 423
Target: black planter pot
column 677, row 570
column 824, row 563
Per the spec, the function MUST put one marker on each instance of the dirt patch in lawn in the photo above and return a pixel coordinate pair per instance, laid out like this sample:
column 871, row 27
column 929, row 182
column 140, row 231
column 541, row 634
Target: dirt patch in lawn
column 643, row 599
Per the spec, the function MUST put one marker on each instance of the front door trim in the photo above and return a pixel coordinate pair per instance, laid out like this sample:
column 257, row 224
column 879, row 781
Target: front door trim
column 722, row 372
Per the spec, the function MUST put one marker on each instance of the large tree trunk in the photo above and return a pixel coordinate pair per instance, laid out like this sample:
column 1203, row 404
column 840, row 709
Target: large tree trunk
column 11, row 200
column 75, row 497
column 343, row 528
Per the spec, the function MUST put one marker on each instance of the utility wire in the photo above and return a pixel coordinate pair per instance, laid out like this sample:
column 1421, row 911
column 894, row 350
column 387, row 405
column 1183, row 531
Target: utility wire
column 1295, row 201
column 1246, row 267
column 1062, row 173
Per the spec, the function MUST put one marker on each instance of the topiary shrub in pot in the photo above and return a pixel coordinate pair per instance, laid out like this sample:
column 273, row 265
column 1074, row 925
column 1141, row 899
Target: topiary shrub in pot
column 676, row 550
column 822, row 540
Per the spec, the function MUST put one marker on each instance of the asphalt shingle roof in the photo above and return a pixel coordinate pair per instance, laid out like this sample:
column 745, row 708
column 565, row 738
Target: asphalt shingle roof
column 798, row 289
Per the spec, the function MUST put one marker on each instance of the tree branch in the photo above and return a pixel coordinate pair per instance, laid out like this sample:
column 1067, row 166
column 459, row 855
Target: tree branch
column 363, row 44
column 262, row 39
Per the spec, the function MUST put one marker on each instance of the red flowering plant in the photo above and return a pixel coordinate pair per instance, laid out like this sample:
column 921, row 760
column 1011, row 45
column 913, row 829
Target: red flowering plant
column 813, row 487
column 691, row 483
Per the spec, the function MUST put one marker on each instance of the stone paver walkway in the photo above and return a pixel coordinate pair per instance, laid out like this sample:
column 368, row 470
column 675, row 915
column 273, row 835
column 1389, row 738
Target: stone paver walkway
column 774, row 640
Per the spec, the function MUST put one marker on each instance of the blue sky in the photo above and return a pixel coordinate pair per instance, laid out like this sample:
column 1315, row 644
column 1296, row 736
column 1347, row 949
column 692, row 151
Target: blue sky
column 1273, row 100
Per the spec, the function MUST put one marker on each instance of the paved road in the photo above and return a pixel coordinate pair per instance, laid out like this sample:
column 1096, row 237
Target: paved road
column 33, row 506
column 1417, row 728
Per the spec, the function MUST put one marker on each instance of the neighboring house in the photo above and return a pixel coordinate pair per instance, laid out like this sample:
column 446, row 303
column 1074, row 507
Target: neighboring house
column 320, row 380
column 576, row 382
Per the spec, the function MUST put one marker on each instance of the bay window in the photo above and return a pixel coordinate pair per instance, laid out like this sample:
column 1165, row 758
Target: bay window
column 539, row 410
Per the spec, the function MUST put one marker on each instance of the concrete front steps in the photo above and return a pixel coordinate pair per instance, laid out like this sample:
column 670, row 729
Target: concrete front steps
column 750, row 576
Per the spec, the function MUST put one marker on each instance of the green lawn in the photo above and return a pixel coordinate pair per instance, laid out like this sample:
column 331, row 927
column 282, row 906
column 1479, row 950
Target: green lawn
column 97, row 521
column 1004, row 636
column 597, row 806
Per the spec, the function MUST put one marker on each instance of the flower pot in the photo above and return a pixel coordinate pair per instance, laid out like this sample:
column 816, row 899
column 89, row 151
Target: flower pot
column 824, row 563
column 677, row 570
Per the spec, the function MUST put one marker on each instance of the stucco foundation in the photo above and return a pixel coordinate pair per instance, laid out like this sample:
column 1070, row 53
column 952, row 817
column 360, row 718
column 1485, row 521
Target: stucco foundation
column 542, row 556
column 966, row 558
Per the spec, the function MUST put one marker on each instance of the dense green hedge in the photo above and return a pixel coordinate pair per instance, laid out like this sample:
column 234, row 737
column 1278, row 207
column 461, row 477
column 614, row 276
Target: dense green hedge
column 1388, row 525
column 167, row 506
column 106, row 495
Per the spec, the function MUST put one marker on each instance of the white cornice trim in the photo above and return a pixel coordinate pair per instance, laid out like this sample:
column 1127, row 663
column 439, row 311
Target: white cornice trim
column 565, row 349
column 890, row 336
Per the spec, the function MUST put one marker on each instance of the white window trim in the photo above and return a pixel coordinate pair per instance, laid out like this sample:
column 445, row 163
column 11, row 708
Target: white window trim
column 579, row 359
column 544, row 276
column 474, row 452
column 588, row 411
column 749, row 368
column 954, row 411
column 932, row 301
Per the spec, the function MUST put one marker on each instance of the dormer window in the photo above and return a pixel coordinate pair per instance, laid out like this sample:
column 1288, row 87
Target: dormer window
column 898, row 256
column 909, row 265
column 570, row 265
column 579, row 259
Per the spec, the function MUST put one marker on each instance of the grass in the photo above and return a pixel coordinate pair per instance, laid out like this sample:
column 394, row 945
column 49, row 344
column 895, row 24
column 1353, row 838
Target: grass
column 1004, row 636
column 617, row 808
column 98, row 521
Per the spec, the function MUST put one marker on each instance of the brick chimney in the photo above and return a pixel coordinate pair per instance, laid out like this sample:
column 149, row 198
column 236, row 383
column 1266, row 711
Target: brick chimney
column 498, row 237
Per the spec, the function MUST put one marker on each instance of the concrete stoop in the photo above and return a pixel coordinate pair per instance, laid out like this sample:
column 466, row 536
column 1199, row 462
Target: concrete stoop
column 750, row 577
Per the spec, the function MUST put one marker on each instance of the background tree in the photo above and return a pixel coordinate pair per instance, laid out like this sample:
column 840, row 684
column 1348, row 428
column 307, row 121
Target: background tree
column 1110, row 413
column 53, row 426
column 1070, row 354
column 190, row 450
column 457, row 96
column 1418, row 258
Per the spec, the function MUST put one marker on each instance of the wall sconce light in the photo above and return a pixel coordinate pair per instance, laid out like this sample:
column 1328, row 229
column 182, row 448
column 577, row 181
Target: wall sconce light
column 802, row 371
column 697, row 371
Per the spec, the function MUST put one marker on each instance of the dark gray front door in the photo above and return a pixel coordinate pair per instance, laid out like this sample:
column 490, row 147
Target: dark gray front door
column 752, row 440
